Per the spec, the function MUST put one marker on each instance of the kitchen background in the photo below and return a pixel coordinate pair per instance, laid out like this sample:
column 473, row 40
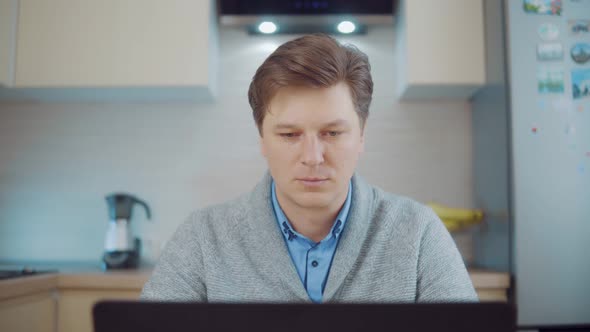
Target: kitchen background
column 59, row 160
column 474, row 107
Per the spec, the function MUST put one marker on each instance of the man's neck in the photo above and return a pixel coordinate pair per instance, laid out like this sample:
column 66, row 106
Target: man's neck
column 315, row 224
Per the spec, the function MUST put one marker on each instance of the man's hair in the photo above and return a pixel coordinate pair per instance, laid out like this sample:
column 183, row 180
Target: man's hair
column 316, row 60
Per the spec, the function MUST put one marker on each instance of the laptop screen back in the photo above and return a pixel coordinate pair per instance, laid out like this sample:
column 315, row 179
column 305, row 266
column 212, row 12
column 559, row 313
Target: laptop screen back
column 114, row 316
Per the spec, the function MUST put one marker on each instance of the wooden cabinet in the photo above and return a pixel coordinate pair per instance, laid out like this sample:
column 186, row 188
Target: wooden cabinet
column 64, row 302
column 8, row 19
column 440, row 49
column 30, row 313
column 80, row 291
column 75, row 306
column 98, row 48
column 490, row 286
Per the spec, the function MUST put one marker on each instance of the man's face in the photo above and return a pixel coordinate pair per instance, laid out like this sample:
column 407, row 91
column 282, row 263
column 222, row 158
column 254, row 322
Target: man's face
column 311, row 138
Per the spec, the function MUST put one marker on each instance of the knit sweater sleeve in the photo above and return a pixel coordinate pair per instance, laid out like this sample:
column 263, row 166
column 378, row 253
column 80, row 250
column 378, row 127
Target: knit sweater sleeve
column 442, row 276
column 178, row 275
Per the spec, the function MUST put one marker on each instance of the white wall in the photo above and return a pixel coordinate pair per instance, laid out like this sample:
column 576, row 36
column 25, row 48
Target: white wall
column 58, row 161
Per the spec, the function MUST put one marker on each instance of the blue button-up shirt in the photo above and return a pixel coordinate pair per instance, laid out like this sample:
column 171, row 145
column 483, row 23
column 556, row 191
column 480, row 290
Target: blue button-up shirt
column 312, row 260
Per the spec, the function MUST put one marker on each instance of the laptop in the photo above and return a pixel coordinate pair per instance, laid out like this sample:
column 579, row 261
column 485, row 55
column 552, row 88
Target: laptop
column 136, row 316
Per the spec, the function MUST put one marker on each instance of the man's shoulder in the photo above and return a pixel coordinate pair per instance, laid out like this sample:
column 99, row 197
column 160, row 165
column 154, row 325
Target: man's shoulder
column 402, row 212
column 222, row 215
column 405, row 219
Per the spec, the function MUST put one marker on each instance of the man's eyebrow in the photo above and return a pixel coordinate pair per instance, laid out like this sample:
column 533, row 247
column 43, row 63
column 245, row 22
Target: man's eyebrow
column 335, row 123
column 284, row 126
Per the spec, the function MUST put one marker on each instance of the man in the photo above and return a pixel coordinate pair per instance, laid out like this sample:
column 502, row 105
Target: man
column 312, row 230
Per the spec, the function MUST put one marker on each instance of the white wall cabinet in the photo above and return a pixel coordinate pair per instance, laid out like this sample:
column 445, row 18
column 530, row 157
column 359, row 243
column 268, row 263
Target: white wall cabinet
column 96, row 48
column 8, row 19
column 440, row 49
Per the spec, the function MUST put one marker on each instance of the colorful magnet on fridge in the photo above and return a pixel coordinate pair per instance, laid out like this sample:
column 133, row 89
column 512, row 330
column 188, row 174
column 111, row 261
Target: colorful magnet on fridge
column 581, row 83
column 548, row 31
column 578, row 27
column 550, row 80
column 580, row 53
column 549, row 51
column 542, row 7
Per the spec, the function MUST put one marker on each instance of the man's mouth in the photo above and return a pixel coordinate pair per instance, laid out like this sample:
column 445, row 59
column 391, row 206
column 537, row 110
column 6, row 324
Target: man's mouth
column 312, row 182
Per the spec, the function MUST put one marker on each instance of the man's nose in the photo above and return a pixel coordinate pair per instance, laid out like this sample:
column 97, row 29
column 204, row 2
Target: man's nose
column 313, row 151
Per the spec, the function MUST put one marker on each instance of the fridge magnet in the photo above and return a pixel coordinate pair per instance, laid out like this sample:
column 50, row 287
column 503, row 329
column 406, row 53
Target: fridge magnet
column 542, row 7
column 581, row 83
column 550, row 80
column 562, row 104
column 580, row 53
column 570, row 130
column 580, row 108
column 578, row 27
column 542, row 105
column 588, row 154
column 581, row 168
column 534, row 129
column 548, row 31
column 549, row 51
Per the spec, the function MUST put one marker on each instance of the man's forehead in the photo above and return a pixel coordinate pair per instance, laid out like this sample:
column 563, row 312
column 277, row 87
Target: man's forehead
column 299, row 107
column 299, row 94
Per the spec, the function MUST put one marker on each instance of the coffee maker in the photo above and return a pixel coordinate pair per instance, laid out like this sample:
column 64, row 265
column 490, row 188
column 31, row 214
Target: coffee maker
column 121, row 247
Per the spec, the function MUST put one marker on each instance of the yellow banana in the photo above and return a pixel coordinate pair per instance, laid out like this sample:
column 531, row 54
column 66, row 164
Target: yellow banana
column 449, row 213
column 455, row 219
column 453, row 225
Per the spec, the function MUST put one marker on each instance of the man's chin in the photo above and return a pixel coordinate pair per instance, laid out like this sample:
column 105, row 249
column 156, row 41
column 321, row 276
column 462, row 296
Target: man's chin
column 313, row 200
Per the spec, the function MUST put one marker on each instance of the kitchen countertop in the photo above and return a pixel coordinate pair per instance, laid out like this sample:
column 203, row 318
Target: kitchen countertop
column 94, row 278
column 98, row 280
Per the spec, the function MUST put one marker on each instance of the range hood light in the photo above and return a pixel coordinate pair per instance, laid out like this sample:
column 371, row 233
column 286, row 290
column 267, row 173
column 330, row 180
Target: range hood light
column 267, row 27
column 346, row 27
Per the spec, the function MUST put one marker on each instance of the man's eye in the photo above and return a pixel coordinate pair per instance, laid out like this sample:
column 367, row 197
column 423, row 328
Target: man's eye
column 333, row 133
column 288, row 135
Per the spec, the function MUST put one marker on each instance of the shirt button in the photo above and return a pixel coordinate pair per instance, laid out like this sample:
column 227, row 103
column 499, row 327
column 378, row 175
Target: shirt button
column 314, row 263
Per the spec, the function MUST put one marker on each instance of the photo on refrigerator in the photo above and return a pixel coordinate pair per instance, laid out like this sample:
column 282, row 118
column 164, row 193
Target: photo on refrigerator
column 550, row 80
column 581, row 83
column 580, row 53
column 543, row 7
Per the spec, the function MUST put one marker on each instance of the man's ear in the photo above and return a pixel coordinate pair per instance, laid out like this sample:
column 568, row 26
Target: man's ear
column 262, row 147
column 362, row 147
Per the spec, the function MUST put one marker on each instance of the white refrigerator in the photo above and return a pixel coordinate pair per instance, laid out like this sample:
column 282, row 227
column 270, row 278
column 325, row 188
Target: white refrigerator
column 531, row 126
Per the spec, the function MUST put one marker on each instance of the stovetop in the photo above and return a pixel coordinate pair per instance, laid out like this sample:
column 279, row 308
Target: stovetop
column 8, row 274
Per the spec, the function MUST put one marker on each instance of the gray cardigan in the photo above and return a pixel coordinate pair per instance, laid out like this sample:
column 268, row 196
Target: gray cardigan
column 392, row 249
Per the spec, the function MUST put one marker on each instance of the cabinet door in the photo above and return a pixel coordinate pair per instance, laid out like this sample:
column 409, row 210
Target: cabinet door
column 112, row 43
column 492, row 295
column 75, row 307
column 31, row 313
column 8, row 17
column 440, row 49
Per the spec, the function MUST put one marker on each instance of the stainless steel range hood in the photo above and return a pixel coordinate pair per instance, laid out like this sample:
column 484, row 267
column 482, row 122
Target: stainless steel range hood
column 297, row 16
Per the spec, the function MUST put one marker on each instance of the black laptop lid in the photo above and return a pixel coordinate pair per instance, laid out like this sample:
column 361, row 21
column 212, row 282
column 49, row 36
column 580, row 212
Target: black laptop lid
column 126, row 316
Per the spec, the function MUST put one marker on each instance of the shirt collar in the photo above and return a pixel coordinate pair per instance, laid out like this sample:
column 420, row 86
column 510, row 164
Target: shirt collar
column 287, row 230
